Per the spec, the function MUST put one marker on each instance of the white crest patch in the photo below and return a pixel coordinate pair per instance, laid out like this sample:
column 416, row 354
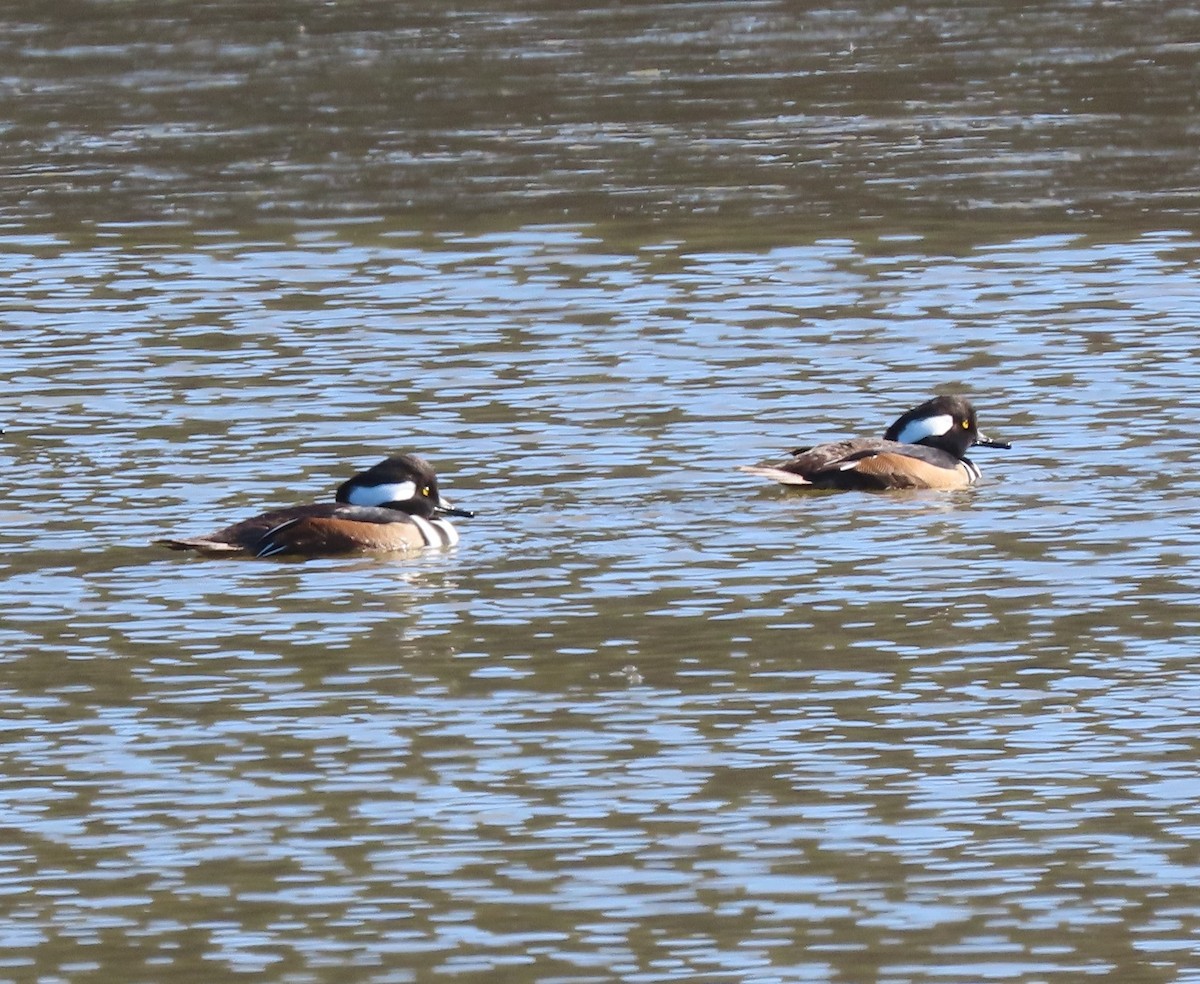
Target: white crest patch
column 377, row 495
column 922, row 427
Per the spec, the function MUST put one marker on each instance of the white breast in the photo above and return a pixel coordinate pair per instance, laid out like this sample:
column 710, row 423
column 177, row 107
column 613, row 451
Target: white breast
column 436, row 532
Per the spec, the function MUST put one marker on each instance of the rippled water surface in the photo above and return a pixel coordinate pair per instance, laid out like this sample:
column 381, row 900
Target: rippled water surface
column 653, row 719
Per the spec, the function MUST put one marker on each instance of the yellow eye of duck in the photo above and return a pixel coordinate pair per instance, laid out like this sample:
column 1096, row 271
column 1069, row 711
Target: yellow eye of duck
column 966, row 425
column 425, row 491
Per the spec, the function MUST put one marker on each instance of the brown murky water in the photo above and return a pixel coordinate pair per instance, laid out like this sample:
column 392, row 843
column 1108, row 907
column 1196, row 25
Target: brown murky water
column 651, row 720
column 868, row 113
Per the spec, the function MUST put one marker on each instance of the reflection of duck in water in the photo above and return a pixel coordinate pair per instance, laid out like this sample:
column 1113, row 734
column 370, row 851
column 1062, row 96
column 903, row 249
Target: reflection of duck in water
column 925, row 449
column 391, row 507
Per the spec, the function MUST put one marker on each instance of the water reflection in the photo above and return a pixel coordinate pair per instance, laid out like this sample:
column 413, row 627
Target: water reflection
column 808, row 820
column 651, row 720
column 651, row 717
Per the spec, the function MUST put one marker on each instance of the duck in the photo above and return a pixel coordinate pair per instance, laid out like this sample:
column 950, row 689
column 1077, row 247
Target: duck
column 924, row 449
column 391, row 507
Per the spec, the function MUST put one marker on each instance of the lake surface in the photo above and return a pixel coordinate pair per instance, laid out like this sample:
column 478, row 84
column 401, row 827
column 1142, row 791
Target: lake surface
column 653, row 719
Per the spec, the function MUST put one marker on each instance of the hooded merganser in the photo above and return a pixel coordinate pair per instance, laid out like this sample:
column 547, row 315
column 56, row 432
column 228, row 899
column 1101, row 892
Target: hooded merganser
column 393, row 506
column 925, row 449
